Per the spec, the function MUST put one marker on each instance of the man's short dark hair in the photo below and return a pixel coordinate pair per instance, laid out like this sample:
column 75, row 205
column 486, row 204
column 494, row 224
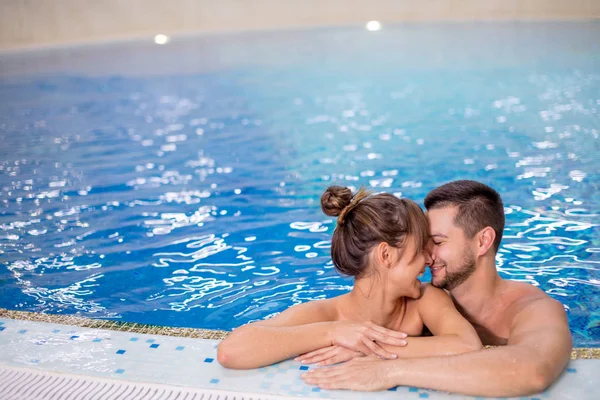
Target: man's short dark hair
column 478, row 205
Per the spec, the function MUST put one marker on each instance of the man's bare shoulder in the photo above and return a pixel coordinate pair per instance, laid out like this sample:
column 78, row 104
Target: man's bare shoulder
column 525, row 288
column 533, row 309
column 521, row 295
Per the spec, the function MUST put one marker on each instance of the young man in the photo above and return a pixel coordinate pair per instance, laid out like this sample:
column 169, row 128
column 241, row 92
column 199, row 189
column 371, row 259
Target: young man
column 466, row 222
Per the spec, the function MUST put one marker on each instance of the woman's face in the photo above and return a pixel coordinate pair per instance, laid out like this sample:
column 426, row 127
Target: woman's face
column 410, row 266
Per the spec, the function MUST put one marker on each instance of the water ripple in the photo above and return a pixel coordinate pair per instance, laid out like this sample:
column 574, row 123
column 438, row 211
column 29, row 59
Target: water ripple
column 189, row 193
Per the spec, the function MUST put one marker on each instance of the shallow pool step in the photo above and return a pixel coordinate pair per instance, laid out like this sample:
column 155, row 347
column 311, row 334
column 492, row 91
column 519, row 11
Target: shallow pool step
column 24, row 384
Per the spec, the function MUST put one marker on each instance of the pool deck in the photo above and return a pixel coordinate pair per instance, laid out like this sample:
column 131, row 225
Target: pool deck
column 186, row 359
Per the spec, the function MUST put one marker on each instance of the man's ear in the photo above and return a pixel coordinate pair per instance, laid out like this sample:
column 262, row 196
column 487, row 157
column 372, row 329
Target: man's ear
column 486, row 238
column 383, row 254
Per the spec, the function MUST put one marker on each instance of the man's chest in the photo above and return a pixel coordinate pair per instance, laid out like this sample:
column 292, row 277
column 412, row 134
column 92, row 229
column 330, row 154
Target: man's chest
column 493, row 328
column 492, row 336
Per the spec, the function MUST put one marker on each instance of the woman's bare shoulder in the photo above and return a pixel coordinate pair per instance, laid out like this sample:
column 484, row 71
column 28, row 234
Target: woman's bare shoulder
column 430, row 292
column 326, row 308
column 431, row 296
column 304, row 313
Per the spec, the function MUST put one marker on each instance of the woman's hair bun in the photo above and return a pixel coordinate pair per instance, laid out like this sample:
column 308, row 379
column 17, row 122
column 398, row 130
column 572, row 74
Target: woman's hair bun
column 335, row 200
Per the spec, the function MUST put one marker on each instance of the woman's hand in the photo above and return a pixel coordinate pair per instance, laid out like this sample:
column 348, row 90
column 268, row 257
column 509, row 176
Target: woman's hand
column 364, row 338
column 328, row 356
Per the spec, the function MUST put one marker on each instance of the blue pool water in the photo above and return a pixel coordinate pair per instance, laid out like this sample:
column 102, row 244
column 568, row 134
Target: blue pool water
column 179, row 185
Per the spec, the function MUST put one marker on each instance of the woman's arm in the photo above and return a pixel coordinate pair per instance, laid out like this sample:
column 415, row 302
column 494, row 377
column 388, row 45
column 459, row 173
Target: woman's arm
column 452, row 333
column 300, row 329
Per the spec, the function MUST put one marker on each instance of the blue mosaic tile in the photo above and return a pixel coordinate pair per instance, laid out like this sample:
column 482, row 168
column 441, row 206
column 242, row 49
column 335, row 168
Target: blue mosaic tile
column 1, row 328
column 316, row 389
column 572, row 370
column 270, row 375
column 395, row 388
column 413, row 390
column 153, row 346
column 120, row 351
column 265, row 385
column 74, row 337
column 119, row 371
column 23, row 331
column 35, row 361
column 96, row 340
column 208, row 360
column 423, row 396
column 56, row 331
column 214, row 380
column 150, row 341
column 304, row 368
column 179, row 348
column 133, row 339
column 1, row 323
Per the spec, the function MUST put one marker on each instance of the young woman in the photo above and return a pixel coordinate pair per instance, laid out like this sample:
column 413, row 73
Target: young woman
column 381, row 241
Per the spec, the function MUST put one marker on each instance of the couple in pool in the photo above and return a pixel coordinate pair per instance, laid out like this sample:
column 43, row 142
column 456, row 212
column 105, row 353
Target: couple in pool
column 376, row 334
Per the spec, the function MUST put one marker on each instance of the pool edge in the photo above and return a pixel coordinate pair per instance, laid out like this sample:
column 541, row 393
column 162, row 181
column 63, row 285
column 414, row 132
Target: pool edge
column 113, row 325
column 578, row 353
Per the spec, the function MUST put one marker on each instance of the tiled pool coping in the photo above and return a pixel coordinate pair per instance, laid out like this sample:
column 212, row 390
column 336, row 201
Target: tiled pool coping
column 578, row 353
column 122, row 357
column 114, row 325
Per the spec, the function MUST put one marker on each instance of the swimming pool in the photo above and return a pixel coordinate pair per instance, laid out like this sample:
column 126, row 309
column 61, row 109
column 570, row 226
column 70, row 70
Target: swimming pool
column 178, row 185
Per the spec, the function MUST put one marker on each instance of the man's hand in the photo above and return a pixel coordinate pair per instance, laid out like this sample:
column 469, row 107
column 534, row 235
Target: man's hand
column 329, row 356
column 365, row 374
column 364, row 338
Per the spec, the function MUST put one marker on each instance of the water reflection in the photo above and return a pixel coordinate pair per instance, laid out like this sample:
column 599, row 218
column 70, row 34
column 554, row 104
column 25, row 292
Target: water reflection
column 188, row 199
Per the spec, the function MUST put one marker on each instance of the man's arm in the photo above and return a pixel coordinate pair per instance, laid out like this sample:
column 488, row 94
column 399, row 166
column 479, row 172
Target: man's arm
column 538, row 349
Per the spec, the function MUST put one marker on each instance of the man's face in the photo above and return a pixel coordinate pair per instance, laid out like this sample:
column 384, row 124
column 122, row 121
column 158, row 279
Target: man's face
column 453, row 257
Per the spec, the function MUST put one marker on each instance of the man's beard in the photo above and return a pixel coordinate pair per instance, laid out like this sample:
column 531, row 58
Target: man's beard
column 454, row 279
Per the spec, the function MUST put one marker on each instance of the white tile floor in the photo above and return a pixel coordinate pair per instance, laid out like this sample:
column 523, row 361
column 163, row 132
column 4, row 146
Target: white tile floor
column 192, row 363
